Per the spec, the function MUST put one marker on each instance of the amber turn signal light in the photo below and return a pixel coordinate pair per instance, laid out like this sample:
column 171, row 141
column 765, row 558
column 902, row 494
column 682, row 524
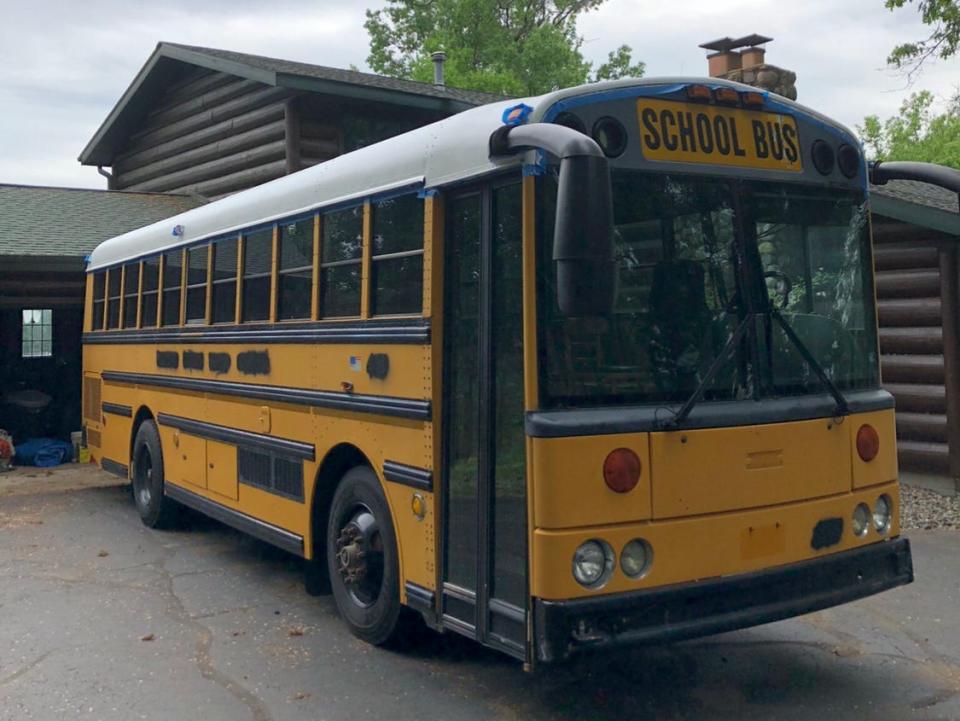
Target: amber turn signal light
column 698, row 92
column 752, row 99
column 868, row 443
column 727, row 96
column 621, row 470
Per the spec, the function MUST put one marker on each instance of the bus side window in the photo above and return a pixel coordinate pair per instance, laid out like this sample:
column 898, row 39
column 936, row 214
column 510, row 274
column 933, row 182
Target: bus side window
column 172, row 278
column 149, row 292
column 131, row 290
column 295, row 273
column 197, row 284
column 99, row 292
column 224, row 288
column 340, row 259
column 257, row 270
column 397, row 256
column 113, row 297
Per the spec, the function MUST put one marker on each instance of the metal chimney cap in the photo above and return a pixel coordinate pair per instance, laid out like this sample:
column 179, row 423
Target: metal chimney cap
column 438, row 55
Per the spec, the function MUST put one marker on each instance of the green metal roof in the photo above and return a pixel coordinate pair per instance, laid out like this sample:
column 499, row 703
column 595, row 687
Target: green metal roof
column 64, row 222
column 168, row 60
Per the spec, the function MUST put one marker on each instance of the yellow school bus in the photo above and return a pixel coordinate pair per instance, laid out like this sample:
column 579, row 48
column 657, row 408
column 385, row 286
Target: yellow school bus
column 589, row 369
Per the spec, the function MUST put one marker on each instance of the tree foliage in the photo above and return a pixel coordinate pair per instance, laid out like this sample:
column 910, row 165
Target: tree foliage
column 513, row 47
column 943, row 19
column 917, row 133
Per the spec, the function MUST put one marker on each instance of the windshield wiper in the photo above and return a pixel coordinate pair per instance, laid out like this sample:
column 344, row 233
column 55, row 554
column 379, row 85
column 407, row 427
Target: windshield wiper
column 842, row 408
column 710, row 374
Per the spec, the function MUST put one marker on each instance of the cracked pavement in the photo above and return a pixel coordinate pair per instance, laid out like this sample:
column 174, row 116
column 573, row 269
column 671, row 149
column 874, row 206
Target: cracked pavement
column 102, row 618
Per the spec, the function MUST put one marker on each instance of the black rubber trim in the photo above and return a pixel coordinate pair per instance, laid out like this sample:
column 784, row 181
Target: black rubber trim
column 408, row 475
column 673, row 613
column 717, row 414
column 420, row 598
column 412, row 331
column 355, row 402
column 117, row 409
column 117, row 469
column 241, row 521
column 246, row 439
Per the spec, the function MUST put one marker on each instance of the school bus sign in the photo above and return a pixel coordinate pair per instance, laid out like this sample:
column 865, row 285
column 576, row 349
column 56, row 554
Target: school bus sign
column 692, row 133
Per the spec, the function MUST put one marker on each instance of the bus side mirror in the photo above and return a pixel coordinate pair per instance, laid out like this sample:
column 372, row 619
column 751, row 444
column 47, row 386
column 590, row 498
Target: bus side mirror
column 583, row 252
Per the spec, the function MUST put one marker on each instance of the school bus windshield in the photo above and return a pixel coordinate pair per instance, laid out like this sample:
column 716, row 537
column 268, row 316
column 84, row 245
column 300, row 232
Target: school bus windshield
column 694, row 256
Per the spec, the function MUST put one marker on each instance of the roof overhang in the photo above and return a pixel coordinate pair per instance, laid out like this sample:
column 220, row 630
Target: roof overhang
column 923, row 215
column 165, row 62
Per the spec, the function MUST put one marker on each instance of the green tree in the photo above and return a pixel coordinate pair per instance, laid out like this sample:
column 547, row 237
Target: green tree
column 917, row 133
column 943, row 18
column 513, row 47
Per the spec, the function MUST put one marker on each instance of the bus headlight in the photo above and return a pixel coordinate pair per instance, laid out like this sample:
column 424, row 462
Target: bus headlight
column 592, row 563
column 882, row 512
column 635, row 558
column 861, row 519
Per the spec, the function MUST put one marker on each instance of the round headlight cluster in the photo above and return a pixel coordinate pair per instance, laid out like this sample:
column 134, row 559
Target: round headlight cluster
column 880, row 518
column 594, row 561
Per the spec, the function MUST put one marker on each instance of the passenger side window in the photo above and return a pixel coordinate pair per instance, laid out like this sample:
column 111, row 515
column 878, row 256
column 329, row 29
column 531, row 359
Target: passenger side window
column 99, row 291
column 131, row 287
column 397, row 256
column 197, row 284
column 341, row 257
column 172, row 278
column 295, row 276
column 113, row 297
column 257, row 269
column 224, row 280
column 148, row 293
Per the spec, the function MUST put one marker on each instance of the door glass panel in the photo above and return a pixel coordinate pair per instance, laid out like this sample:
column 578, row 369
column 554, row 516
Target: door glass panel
column 509, row 475
column 462, row 392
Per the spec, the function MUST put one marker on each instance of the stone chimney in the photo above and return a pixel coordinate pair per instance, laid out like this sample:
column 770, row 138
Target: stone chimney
column 743, row 60
column 438, row 59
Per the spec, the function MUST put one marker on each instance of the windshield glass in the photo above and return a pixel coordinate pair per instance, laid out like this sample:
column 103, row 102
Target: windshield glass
column 695, row 255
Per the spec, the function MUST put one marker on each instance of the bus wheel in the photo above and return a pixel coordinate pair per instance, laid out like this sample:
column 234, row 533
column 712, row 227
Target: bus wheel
column 362, row 558
column 156, row 510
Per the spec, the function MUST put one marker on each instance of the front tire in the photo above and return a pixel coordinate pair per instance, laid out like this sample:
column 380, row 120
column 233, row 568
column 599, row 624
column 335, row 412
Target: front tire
column 362, row 558
column 156, row 510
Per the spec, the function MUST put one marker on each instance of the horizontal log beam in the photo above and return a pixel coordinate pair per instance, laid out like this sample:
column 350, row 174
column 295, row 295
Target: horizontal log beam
column 924, row 427
column 10, row 286
column 40, row 301
column 205, row 136
column 215, row 168
column 260, row 136
column 908, row 283
column 168, row 113
column 916, row 398
column 236, row 181
column 909, row 312
column 911, row 340
column 894, row 257
column 923, row 457
column 319, row 149
column 912, row 368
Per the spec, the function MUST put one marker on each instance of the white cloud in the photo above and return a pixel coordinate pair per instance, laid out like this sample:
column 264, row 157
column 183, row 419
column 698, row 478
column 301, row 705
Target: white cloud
column 64, row 64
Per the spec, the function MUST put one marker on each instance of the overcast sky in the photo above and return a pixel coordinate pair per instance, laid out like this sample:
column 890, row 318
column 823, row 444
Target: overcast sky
column 64, row 64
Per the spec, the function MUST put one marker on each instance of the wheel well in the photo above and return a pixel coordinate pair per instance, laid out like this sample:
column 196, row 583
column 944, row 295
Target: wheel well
column 339, row 460
column 143, row 414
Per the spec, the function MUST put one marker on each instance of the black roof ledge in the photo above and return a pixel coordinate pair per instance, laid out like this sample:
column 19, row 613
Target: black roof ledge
column 167, row 59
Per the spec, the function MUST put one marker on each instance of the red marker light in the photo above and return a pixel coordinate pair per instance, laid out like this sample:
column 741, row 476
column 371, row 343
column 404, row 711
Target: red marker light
column 868, row 443
column 621, row 470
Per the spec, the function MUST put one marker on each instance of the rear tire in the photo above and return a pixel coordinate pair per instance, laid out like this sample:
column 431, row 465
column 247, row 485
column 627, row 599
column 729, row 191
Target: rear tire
column 156, row 510
column 362, row 559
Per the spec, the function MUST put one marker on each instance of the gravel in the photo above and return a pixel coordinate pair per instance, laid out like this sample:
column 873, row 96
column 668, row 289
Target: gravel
column 924, row 509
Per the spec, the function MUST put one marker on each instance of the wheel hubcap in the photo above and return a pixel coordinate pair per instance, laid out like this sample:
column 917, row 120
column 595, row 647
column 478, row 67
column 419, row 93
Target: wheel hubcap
column 143, row 479
column 360, row 556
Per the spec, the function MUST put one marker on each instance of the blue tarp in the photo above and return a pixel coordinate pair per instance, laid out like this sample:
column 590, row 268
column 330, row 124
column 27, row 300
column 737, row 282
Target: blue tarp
column 43, row 452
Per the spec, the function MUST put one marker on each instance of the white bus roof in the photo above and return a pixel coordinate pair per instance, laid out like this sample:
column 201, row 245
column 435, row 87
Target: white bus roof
column 450, row 150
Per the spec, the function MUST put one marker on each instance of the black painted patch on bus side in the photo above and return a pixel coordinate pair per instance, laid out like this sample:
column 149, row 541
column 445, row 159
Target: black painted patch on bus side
column 169, row 359
column 827, row 532
column 378, row 365
column 219, row 362
column 254, row 362
column 192, row 360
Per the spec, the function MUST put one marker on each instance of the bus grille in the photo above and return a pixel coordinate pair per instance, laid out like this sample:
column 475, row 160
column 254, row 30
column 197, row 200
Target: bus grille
column 271, row 472
column 91, row 398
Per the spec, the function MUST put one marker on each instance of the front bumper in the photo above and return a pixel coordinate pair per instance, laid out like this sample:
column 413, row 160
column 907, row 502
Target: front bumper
column 688, row 610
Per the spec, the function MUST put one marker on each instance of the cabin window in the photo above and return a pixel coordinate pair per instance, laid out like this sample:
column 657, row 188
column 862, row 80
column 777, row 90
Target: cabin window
column 257, row 271
column 295, row 275
column 396, row 269
column 99, row 289
column 37, row 337
column 224, row 280
column 341, row 259
column 172, row 278
column 197, row 284
column 131, row 288
column 150, row 288
column 113, row 297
